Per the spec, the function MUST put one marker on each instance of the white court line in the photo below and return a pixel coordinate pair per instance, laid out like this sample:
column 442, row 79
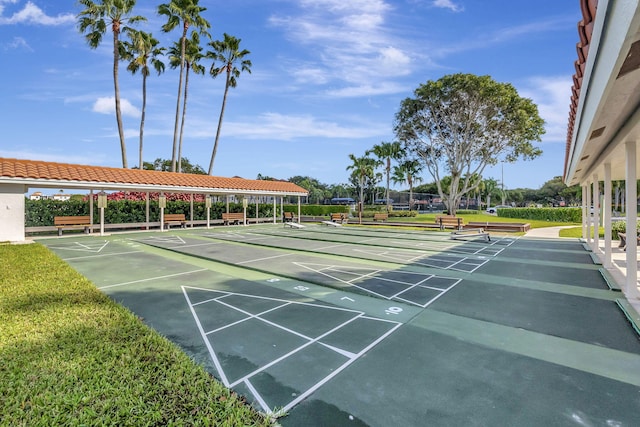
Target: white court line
column 212, row 353
column 249, row 315
column 321, row 272
column 275, row 299
column 258, row 397
column 331, row 247
column 95, row 256
column 292, row 352
column 326, row 379
column 152, row 278
column 262, row 259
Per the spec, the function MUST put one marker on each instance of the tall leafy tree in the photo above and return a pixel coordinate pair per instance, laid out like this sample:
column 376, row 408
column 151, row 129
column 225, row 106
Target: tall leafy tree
column 192, row 55
column 385, row 152
column 142, row 52
column 226, row 52
column 186, row 13
column 94, row 21
column 164, row 165
column 408, row 171
column 462, row 123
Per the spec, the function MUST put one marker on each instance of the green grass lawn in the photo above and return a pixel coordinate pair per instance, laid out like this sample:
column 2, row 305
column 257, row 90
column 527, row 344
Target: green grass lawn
column 71, row 356
column 483, row 217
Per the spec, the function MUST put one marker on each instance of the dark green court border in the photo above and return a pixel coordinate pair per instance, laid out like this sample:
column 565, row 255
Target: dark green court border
column 630, row 313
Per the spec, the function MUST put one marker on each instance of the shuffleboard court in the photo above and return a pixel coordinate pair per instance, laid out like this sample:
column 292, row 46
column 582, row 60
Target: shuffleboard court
column 273, row 346
column 401, row 285
column 427, row 241
column 414, row 257
column 517, row 341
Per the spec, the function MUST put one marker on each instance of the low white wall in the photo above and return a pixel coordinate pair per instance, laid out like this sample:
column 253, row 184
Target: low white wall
column 12, row 212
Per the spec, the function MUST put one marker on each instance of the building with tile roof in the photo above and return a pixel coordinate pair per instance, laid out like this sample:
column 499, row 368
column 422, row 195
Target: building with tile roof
column 18, row 175
column 604, row 121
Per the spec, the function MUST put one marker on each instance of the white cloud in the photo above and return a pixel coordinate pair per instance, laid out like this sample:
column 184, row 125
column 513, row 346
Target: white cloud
column 277, row 126
column 552, row 95
column 32, row 14
column 351, row 41
column 17, row 43
column 448, row 4
column 106, row 105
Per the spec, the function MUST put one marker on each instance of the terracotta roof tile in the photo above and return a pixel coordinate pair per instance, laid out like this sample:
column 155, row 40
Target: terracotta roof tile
column 40, row 170
column 585, row 30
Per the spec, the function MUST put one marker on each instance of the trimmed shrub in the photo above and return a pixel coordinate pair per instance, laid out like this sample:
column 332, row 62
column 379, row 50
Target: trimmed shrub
column 543, row 214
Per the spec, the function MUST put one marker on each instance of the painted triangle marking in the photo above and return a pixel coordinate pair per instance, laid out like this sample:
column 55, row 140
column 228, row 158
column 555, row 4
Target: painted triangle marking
column 96, row 247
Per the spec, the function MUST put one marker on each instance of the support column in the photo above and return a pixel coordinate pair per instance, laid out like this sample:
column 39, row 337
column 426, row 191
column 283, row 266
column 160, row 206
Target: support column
column 584, row 212
column 299, row 209
column 91, row 211
column 589, row 216
column 631, row 288
column 606, row 216
column 596, row 214
column 274, row 210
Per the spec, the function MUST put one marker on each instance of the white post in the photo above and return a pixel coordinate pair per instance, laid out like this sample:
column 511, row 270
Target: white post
column 584, row 211
column 274, row 210
column 191, row 209
column 146, row 212
column 102, row 221
column 632, row 214
column 589, row 216
column 207, row 201
column 91, row 210
column 299, row 209
column 606, row 215
column 596, row 214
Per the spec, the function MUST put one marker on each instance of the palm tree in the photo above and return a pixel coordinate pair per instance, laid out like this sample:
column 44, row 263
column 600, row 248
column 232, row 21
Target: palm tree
column 363, row 167
column 386, row 151
column 408, row 171
column 140, row 50
column 192, row 54
column 94, row 21
column 227, row 52
column 491, row 188
column 187, row 13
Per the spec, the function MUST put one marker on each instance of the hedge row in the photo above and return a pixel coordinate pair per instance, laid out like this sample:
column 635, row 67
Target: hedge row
column 41, row 212
column 543, row 214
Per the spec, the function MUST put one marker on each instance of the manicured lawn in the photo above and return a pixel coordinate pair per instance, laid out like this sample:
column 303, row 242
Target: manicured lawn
column 482, row 217
column 71, row 356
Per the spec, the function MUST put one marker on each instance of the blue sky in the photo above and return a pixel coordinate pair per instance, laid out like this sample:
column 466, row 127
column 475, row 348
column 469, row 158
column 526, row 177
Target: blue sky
column 327, row 79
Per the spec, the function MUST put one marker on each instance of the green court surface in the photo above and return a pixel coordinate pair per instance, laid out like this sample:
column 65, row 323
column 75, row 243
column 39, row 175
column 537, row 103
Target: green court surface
column 362, row 326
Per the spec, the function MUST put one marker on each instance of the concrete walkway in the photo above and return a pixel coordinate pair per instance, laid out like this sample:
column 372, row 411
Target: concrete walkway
column 548, row 232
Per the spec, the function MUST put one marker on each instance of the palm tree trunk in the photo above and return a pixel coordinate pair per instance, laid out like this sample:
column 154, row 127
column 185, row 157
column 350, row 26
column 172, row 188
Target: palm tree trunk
column 184, row 113
column 175, row 127
column 116, row 87
column 224, row 102
column 144, row 109
column 388, row 176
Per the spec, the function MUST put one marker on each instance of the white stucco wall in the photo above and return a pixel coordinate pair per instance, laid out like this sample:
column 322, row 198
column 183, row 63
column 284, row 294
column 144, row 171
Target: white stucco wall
column 12, row 212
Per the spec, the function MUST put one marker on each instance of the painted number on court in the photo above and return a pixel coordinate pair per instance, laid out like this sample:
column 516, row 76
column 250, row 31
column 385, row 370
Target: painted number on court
column 301, row 288
column 393, row 310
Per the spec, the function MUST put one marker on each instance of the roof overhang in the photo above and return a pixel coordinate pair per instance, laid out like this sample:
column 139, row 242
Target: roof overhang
column 608, row 113
column 38, row 174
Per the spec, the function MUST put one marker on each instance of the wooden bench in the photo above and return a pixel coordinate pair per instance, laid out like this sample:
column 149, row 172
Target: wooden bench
column 380, row 216
column 339, row 218
column 449, row 221
column 232, row 217
column 175, row 219
column 62, row 222
column 288, row 217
